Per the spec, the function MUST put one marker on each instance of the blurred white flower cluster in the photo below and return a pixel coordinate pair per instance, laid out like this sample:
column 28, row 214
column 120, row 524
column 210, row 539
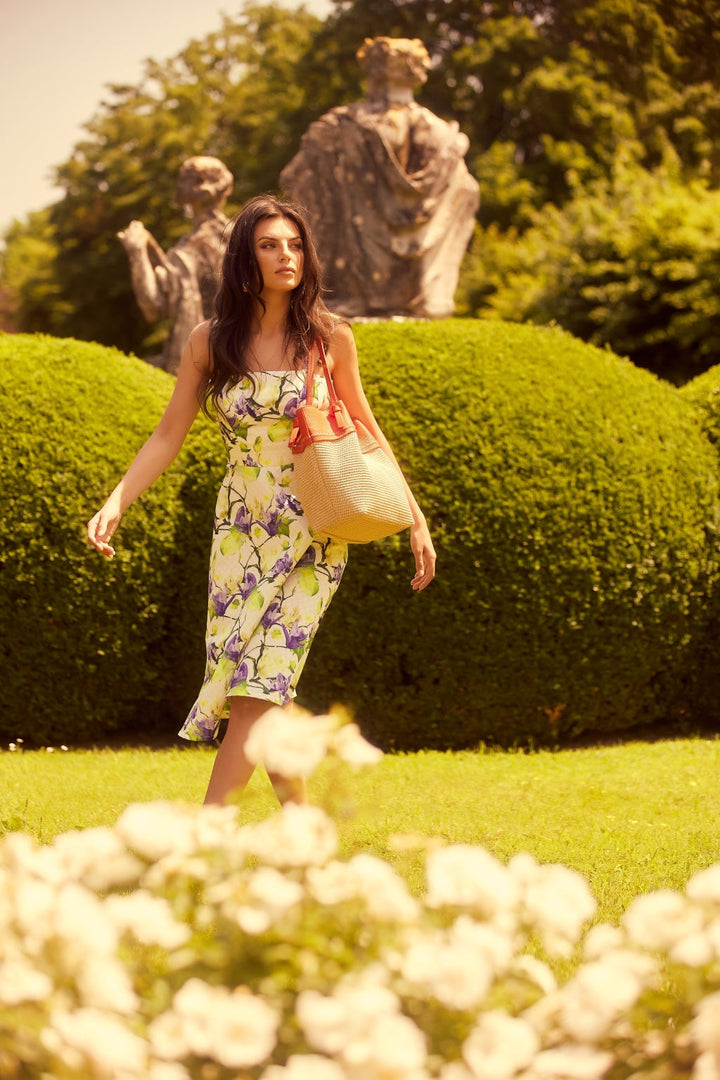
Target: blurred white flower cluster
column 181, row 944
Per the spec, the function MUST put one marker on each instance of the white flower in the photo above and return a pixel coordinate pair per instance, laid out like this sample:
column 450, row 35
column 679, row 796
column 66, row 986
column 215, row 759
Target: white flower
column 148, row 918
column 324, row 1020
column 712, row 933
column 600, row 991
column 499, row 1046
column 660, row 919
column 466, row 876
column 391, row 1046
column 704, row 887
column 351, row 747
column 571, row 1063
column 233, row 1028
column 79, row 917
column 455, row 1070
column 331, row 1023
column 290, row 742
column 167, row 1036
column 602, row 939
column 484, row 941
column 103, row 1041
column 706, row 1067
column 33, row 904
column 458, row 977
column 332, row 884
column 98, row 858
column 695, row 950
column 164, row 1070
column 215, row 828
column 251, row 920
column 305, row 1067
column 556, row 900
column 104, row 983
column 274, row 889
column 20, row 981
column 706, row 1026
column 296, row 836
column 537, row 971
column 245, row 1029
column 156, row 829
column 367, row 878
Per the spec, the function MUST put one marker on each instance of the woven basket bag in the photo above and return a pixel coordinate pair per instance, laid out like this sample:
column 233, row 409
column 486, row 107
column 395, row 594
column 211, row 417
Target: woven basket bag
column 348, row 486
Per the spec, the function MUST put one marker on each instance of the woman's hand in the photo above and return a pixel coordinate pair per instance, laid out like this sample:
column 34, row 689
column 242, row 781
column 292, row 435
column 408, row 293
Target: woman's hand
column 101, row 527
column 425, row 556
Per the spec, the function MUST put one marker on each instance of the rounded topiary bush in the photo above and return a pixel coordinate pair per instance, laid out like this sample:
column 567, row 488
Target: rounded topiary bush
column 573, row 500
column 91, row 646
column 572, row 497
column 703, row 394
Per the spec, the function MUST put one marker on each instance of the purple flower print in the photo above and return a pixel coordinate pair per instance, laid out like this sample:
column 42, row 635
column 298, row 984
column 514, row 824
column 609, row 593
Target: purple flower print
column 295, row 637
column 337, row 572
column 285, row 501
column 284, row 564
column 291, row 407
column 241, row 675
column 271, row 522
column 307, row 558
column 280, row 684
column 233, row 648
column 243, row 520
column 205, row 726
column 221, row 600
column 244, row 406
column 271, row 615
column 246, row 587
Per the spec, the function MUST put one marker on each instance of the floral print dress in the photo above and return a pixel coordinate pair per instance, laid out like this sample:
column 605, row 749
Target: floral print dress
column 271, row 578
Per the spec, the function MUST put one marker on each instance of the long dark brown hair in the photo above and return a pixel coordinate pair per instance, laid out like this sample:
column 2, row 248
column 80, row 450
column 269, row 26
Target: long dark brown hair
column 239, row 294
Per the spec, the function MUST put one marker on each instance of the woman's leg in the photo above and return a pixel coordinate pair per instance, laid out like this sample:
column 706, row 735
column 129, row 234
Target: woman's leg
column 232, row 769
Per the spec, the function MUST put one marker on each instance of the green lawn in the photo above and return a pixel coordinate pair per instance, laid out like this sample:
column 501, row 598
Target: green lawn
column 630, row 818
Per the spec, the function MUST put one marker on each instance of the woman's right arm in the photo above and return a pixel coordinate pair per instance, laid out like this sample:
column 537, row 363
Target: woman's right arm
column 163, row 445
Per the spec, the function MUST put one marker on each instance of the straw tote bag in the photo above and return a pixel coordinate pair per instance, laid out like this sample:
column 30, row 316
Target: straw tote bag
column 348, row 486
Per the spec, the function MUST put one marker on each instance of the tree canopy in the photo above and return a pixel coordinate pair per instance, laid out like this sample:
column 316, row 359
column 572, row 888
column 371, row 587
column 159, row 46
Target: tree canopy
column 546, row 90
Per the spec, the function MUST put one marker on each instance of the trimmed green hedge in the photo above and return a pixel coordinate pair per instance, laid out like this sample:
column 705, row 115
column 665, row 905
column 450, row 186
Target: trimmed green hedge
column 90, row 646
column 703, row 393
column 573, row 499
column 574, row 503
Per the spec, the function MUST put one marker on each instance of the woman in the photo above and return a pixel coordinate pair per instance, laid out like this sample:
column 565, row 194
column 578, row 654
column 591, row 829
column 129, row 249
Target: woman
column 271, row 579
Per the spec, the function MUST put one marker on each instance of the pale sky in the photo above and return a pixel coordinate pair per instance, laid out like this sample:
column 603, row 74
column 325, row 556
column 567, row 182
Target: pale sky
column 56, row 56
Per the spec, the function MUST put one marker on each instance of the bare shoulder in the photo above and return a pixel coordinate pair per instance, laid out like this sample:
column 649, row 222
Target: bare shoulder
column 199, row 344
column 200, row 334
column 342, row 335
column 342, row 344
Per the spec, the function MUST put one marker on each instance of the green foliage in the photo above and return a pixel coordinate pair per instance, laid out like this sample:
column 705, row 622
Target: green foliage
column 704, row 393
column 232, row 95
column 633, row 263
column 572, row 497
column 574, row 505
column 89, row 646
column 28, row 267
column 546, row 92
column 551, row 86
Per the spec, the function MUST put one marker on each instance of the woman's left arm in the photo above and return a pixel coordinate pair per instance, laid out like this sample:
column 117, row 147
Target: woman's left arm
column 343, row 361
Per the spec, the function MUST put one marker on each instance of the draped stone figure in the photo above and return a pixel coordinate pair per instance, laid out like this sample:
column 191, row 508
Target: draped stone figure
column 180, row 284
column 391, row 200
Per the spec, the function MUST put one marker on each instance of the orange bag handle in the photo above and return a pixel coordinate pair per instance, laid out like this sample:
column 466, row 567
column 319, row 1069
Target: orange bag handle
column 310, row 376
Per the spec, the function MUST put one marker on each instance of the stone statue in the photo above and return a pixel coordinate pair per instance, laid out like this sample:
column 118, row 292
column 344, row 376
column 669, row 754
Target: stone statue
column 391, row 200
column 181, row 283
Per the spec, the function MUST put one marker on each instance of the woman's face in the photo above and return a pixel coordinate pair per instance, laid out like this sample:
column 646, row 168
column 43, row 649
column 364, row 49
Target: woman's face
column 280, row 254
